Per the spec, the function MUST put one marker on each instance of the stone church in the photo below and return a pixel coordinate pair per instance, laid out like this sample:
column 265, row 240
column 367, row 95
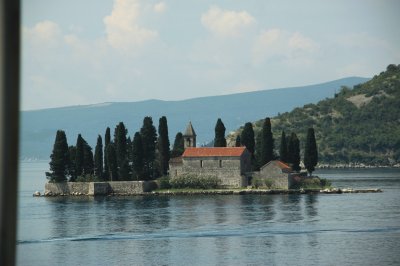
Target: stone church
column 232, row 165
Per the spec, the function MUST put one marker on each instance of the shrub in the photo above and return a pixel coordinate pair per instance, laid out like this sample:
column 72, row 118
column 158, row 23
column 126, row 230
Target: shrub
column 262, row 183
column 310, row 183
column 164, row 182
column 193, row 181
column 88, row 178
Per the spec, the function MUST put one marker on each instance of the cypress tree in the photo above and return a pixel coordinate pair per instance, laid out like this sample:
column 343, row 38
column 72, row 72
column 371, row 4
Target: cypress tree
column 72, row 165
column 283, row 150
column 59, row 158
column 219, row 140
column 79, row 155
column 163, row 145
column 137, row 157
column 294, row 152
column 178, row 148
column 149, row 137
column 310, row 151
column 121, row 151
column 247, row 137
column 112, row 162
column 88, row 164
column 98, row 158
column 237, row 142
column 107, row 140
column 267, row 143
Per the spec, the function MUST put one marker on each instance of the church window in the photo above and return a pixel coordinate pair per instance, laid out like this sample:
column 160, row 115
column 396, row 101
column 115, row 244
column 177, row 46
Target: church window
column 220, row 163
column 201, row 163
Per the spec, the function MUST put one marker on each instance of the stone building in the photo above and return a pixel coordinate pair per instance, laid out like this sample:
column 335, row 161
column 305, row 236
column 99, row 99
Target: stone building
column 229, row 164
column 278, row 172
column 232, row 165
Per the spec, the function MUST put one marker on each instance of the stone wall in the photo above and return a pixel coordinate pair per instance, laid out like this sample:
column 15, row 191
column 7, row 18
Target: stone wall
column 98, row 188
column 227, row 169
column 279, row 179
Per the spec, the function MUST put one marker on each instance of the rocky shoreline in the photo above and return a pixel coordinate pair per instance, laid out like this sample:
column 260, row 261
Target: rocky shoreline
column 227, row 192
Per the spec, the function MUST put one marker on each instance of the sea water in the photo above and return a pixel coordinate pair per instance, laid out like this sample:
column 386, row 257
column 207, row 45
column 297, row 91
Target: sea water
column 324, row 229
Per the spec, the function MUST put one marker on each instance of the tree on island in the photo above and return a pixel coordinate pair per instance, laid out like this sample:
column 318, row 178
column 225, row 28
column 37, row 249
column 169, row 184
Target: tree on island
column 59, row 159
column 219, row 140
column 107, row 140
column 121, row 151
column 294, row 152
column 71, row 166
column 163, row 145
column 80, row 142
column 88, row 164
column 98, row 158
column 247, row 137
column 237, row 141
column 283, row 149
column 266, row 145
column 149, row 137
column 310, row 152
column 137, row 157
column 178, row 148
column 112, row 162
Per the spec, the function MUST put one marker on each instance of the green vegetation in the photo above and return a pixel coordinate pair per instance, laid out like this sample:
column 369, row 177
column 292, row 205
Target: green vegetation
column 359, row 125
column 265, row 144
column 310, row 183
column 98, row 158
column 310, row 152
column 107, row 140
column 178, row 148
column 149, row 138
column 262, row 183
column 219, row 140
column 283, row 149
column 163, row 145
column 59, row 159
column 294, row 152
column 189, row 181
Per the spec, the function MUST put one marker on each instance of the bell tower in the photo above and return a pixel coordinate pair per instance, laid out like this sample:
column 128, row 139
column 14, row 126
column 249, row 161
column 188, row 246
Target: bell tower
column 189, row 138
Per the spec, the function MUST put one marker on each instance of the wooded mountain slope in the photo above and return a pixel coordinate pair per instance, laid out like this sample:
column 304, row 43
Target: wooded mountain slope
column 358, row 125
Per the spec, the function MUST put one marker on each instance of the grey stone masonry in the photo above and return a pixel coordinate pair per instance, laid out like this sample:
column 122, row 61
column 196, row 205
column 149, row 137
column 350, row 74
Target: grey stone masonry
column 98, row 188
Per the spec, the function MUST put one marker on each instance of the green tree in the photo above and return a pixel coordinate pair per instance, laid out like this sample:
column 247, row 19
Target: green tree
column 163, row 145
column 219, row 140
column 98, row 158
column 107, row 140
column 283, row 149
column 121, row 151
column 294, row 152
column 310, row 151
column 267, row 143
column 247, row 137
column 72, row 165
column 59, row 158
column 88, row 164
column 79, row 157
column 137, row 157
column 237, row 141
column 178, row 148
column 112, row 162
column 149, row 137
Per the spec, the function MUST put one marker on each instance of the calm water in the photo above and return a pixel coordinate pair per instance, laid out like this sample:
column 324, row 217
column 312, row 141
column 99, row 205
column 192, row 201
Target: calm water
column 347, row 229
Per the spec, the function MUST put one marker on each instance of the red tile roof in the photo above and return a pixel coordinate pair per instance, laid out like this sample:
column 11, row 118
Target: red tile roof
column 282, row 165
column 214, row 152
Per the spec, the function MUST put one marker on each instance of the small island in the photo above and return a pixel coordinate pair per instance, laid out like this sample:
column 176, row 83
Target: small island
column 146, row 166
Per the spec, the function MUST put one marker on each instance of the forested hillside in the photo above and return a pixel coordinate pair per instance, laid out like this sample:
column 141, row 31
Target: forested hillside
column 360, row 125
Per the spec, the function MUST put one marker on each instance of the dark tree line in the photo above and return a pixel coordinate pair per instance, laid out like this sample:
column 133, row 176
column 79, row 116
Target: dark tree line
column 144, row 158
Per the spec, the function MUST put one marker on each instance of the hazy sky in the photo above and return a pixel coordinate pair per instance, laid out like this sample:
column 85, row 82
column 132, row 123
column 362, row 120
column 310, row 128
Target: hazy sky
column 92, row 51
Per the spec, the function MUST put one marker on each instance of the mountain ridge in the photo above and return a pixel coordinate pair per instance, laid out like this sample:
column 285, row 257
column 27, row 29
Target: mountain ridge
column 38, row 127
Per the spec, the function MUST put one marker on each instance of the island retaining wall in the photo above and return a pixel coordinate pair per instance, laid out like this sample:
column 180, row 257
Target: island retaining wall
column 98, row 188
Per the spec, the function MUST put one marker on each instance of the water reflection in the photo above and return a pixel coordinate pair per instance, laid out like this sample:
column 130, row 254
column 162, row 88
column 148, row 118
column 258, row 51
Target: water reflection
column 290, row 208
